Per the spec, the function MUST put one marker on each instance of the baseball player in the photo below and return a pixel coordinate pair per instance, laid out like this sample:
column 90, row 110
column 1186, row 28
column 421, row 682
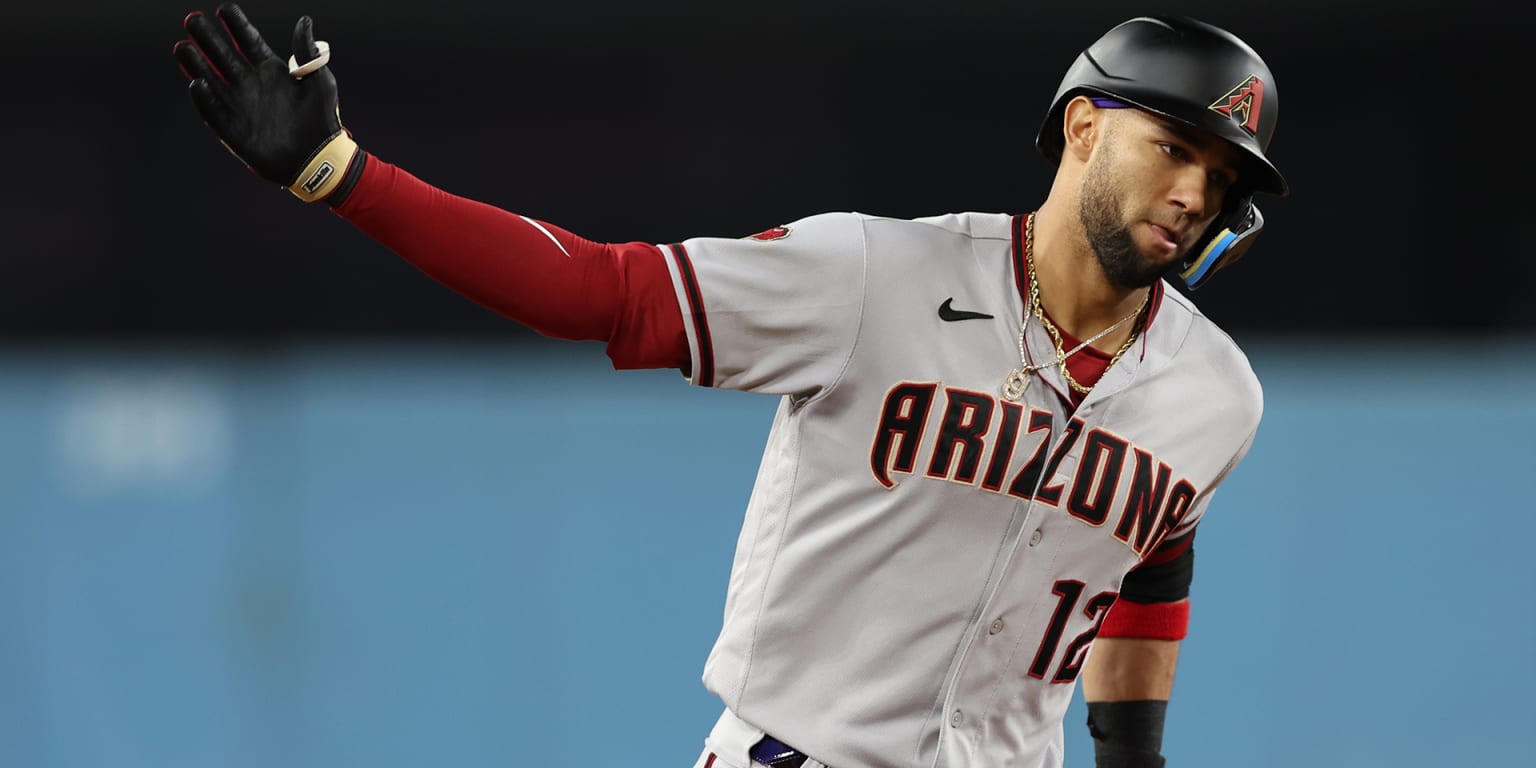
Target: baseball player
column 996, row 433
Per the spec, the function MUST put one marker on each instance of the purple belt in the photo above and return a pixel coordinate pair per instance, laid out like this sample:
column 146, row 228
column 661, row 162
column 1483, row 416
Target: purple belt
column 776, row 754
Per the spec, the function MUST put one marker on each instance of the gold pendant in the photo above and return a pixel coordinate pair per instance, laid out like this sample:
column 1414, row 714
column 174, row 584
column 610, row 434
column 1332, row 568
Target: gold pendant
column 1014, row 386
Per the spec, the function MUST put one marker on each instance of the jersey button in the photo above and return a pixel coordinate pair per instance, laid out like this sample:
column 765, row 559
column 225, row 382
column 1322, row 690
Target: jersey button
column 997, row 626
column 1034, row 538
column 957, row 718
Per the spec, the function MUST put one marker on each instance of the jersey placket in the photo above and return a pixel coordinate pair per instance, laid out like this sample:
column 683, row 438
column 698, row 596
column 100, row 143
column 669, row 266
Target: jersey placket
column 1006, row 632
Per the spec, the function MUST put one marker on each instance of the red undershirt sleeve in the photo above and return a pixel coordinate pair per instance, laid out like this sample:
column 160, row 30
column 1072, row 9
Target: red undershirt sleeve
column 557, row 283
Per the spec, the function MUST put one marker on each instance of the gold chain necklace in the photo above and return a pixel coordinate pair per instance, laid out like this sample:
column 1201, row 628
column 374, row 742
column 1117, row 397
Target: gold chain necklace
column 1018, row 379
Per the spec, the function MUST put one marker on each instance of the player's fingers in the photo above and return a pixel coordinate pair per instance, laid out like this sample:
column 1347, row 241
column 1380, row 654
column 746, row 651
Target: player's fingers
column 304, row 48
column 245, row 34
column 209, row 99
column 215, row 43
column 192, row 62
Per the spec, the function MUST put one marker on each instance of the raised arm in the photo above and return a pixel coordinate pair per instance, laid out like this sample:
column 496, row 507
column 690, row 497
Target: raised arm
column 281, row 119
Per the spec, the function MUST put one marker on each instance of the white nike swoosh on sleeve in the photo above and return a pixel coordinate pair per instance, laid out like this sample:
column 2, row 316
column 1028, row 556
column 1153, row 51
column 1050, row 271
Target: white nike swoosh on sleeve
column 547, row 234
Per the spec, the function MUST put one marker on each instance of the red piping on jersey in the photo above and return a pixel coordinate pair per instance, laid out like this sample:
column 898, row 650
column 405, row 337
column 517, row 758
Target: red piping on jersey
column 1020, row 267
column 700, row 319
column 1154, row 303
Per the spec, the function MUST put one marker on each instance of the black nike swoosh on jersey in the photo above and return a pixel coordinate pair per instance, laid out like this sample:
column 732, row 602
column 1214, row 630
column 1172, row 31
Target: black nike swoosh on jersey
column 946, row 312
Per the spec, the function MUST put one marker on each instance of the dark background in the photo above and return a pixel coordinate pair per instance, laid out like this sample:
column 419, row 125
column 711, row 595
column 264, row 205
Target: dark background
column 227, row 541
column 1401, row 132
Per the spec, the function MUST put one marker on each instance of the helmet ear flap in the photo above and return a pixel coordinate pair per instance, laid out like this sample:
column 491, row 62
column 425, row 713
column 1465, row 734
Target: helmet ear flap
column 1227, row 240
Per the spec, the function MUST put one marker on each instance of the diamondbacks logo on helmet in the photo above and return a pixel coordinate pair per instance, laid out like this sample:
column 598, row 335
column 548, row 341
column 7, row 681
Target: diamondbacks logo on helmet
column 777, row 233
column 1243, row 103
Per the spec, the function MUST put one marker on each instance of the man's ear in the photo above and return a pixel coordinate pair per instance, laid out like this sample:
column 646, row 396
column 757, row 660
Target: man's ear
column 1082, row 125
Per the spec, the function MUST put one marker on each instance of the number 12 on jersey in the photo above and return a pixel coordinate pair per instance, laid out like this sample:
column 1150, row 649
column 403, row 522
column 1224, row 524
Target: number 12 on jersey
column 1068, row 592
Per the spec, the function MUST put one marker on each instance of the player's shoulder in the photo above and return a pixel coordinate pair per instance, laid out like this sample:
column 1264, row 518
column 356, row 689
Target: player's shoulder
column 816, row 233
column 973, row 225
column 970, row 225
column 1199, row 343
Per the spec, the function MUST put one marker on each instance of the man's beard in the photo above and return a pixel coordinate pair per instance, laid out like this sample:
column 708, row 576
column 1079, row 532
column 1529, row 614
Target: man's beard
column 1123, row 263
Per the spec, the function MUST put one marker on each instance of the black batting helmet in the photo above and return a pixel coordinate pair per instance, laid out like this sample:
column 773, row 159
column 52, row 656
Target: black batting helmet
column 1183, row 69
column 1200, row 75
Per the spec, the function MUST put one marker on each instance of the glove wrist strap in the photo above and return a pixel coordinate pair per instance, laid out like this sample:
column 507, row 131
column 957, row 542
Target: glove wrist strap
column 325, row 169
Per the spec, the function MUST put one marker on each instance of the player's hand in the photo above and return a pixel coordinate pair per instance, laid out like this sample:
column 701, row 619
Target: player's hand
column 280, row 118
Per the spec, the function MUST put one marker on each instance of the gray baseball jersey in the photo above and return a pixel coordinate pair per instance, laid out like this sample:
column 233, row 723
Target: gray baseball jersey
column 924, row 564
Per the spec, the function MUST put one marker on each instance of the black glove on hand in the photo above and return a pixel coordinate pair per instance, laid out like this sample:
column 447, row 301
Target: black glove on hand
column 281, row 121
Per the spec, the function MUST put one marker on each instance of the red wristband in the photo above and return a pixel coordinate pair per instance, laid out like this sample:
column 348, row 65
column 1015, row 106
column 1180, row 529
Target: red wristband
column 1150, row 621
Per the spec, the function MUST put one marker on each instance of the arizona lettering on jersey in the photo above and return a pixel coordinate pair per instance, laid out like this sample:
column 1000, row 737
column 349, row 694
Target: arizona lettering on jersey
column 1114, row 473
column 923, row 564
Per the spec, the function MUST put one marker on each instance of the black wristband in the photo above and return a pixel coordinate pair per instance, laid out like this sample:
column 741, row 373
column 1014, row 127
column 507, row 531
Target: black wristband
column 354, row 172
column 1127, row 734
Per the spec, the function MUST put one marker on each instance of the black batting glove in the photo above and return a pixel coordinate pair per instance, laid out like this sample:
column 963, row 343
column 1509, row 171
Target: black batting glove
column 281, row 119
